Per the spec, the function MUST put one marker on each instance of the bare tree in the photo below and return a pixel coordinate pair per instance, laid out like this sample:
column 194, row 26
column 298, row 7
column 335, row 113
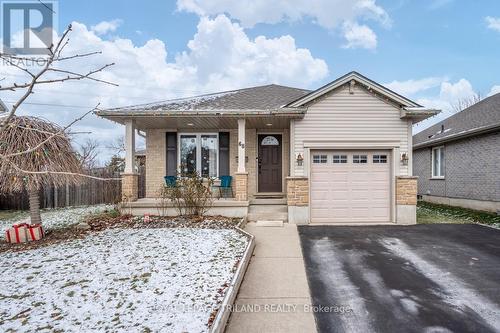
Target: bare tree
column 34, row 152
column 117, row 146
column 50, row 65
column 87, row 153
column 464, row 103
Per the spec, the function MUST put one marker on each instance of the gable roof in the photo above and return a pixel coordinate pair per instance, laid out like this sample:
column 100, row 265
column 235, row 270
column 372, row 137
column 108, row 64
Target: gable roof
column 481, row 117
column 369, row 84
column 268, row 97
column 268, row 100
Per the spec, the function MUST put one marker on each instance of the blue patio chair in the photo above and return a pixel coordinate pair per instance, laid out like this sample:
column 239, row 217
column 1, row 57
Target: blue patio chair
column 171, row 181
column 225, row 186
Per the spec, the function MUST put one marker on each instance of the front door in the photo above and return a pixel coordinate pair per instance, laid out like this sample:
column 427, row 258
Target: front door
column 270, row 175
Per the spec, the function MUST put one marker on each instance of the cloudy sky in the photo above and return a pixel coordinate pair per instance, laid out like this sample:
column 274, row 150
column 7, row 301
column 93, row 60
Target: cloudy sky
column 433, row 51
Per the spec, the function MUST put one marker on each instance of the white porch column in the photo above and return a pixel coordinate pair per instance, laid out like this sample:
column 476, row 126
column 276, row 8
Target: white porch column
column 241, row 145
column 129, row 146
column 130, row 179
column 241, row 177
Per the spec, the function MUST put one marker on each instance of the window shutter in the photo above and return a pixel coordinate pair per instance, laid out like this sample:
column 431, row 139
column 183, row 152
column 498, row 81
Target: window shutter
column 171, row 153
column 223, row 154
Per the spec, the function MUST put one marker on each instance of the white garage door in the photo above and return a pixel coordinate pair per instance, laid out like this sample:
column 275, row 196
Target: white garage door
column 350, row 186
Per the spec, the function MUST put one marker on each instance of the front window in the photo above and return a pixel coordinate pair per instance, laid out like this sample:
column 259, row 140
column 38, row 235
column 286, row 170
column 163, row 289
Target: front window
column 438, row 162
column 199, row 153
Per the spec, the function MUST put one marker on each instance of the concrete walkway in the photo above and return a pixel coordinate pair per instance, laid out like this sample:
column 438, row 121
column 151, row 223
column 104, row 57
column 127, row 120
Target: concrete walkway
column 274, row 294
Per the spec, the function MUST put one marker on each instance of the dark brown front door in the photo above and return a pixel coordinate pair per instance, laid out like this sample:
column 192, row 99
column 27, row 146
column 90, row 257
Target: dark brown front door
column 270, row 175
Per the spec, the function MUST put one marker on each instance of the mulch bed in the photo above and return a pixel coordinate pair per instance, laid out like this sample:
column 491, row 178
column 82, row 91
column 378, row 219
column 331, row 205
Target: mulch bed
column 103, row 221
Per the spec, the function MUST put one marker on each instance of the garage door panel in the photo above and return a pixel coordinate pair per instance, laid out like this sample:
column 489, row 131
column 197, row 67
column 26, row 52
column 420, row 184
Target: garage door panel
column 350, row 192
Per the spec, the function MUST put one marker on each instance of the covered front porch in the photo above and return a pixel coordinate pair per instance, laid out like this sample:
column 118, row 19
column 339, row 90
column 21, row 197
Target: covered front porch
column 252, row 147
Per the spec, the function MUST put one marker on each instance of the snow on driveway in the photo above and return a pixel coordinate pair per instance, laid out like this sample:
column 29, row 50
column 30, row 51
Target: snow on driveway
column 120, row 280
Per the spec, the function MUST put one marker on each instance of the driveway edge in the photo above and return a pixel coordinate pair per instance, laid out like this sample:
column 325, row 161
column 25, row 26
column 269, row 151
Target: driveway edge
column 222, row 316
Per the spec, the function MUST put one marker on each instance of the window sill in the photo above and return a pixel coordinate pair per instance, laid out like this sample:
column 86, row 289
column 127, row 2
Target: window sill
column 436, row 178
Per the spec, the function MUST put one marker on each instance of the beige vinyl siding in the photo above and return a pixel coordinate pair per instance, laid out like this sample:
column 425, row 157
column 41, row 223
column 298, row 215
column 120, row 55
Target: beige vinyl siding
column 341, row 116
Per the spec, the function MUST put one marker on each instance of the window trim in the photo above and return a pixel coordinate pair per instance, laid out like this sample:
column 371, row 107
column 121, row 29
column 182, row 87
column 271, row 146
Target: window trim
column 433, row 170
column 381, row 159
column 320, row 158
column 198, row 149
column 342, row 159
column 360, row 158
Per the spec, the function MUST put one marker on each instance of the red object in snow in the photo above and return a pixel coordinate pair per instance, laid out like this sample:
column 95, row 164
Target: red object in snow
column 147, row 218
column 35, row 232
column 17, row 233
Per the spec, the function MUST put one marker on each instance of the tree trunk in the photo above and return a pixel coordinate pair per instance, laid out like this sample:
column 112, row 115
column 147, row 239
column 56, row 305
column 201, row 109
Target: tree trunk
column 34, row 206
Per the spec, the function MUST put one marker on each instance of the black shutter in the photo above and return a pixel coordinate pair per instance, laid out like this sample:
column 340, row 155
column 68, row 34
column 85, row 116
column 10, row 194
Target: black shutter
column 171, row 138
column 223, row 154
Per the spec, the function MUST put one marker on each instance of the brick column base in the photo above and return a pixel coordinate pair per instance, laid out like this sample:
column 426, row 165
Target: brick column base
column 241, row 186
column 406, row 190
column 297, row 191
column 406, row 199
column 297, row 196
column 130, row 187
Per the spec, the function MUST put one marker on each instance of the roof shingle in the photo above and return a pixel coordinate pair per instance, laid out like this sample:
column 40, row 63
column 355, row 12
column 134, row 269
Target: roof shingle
column 481, row 114
column 268, row 97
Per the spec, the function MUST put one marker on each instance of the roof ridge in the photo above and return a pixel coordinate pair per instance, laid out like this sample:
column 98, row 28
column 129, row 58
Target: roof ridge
column 203, row 95
column 461, row 112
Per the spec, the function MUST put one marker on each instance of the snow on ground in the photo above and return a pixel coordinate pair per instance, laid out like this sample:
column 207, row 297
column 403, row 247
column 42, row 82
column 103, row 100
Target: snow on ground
column 57, row 218
column 120, row 280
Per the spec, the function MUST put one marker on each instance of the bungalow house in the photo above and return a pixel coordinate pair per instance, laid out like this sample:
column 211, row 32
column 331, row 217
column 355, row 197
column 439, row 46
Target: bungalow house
column 457, row 160
column 338, row 154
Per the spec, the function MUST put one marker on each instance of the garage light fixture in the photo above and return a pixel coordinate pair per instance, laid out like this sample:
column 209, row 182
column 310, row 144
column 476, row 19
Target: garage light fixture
column 300, row 159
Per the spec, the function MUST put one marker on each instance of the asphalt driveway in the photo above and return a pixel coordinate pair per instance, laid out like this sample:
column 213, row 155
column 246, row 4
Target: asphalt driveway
column 423, row 278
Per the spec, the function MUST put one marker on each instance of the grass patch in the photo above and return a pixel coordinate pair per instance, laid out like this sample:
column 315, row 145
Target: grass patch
column 11, row 214
column 435, row 213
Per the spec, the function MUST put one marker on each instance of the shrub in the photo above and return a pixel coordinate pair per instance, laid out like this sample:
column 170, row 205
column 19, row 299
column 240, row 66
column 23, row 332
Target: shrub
column 192, row 194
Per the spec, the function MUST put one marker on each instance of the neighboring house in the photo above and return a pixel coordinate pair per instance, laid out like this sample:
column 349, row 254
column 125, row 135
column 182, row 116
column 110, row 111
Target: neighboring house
column 338, row 154
column 458, row 159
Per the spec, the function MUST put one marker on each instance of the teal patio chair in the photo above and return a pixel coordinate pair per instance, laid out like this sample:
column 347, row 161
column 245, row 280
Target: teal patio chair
column 225, row 187
column 171, row 181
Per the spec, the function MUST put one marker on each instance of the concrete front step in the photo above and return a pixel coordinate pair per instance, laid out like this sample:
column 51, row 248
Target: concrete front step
column 268, row 209
column 269, row 223
column 267, row 216
column 281, row 201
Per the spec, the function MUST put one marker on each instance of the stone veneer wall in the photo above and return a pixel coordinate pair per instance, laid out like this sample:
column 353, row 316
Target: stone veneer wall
column 406, row 190
column 297, row 191
column 406, row 200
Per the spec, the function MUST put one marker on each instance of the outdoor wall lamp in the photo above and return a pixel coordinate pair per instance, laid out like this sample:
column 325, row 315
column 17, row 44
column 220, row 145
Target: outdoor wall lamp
column 241, row 144
column 300, row 159
column 404, row 158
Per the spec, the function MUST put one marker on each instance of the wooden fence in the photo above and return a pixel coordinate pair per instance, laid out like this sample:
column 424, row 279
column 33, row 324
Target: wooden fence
column 91, row 192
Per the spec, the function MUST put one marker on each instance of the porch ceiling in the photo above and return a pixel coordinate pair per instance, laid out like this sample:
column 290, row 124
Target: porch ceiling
column 204, row 122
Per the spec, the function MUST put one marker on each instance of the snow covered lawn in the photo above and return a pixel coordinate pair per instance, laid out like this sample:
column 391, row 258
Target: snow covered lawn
column 57, row 218
column 120, row 280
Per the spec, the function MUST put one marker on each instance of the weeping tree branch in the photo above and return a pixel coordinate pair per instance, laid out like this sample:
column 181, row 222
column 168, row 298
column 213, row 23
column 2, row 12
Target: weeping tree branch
column 51, row 135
